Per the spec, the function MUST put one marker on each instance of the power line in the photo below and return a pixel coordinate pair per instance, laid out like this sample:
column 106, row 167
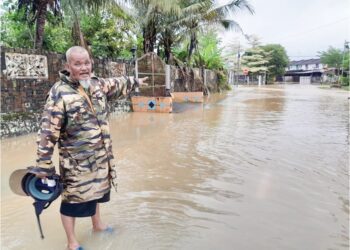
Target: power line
column 312, row 29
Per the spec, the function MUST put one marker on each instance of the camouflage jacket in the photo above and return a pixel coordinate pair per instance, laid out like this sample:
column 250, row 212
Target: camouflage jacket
column 82, row 133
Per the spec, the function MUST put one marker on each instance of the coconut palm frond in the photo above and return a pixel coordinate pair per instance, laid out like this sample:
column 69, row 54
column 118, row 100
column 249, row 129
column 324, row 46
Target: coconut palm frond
column 171, row 7
column 232, row 6
column 230, row 24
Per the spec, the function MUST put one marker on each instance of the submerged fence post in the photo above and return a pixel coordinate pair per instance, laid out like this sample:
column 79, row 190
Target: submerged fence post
column 167, row 80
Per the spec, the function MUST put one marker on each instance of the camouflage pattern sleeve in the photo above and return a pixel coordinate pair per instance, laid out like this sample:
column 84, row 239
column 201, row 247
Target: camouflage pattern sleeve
column 117, row 85
column 49, row 132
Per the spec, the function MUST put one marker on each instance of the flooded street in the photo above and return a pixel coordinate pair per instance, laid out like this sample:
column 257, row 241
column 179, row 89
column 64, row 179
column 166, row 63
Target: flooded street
column 256, row 168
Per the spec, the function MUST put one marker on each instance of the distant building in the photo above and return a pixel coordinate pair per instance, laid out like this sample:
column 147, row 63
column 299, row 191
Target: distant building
column 304, row 71
column 309, row 64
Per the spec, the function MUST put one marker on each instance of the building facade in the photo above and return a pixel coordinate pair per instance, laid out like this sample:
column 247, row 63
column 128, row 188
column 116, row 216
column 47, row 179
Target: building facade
column 305, row 71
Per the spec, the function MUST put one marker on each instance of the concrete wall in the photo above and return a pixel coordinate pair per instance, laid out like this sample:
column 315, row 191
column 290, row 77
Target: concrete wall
column 27, row 76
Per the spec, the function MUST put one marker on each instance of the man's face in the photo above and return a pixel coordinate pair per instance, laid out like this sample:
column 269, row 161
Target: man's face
column 79, row 66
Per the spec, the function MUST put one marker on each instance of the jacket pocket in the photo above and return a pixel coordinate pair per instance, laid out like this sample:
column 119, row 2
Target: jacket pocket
column 83, row 162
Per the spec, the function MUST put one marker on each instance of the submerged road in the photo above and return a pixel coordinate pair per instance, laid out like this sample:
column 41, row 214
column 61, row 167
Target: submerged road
column 256, row 168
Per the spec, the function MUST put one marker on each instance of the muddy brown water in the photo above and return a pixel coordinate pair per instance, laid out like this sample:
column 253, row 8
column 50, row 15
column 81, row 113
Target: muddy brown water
column 256, row 168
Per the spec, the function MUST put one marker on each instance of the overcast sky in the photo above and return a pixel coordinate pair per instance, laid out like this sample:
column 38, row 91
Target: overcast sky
column 303, row 27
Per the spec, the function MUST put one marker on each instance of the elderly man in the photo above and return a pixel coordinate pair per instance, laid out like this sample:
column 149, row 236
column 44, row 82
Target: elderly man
column 75, row 116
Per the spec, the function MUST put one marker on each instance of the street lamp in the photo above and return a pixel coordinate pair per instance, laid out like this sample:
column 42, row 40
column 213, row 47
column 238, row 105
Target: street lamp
column 133, row 51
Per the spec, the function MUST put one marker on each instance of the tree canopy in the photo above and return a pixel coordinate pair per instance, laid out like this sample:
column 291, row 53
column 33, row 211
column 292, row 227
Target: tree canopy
column 269, row 59
column 278, row 59
column 332, row 57
column 110, row 28
column 209, row 53
column 256, row 60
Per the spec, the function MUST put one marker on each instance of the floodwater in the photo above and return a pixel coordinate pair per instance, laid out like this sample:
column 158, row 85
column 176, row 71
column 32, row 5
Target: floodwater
column 256, row 168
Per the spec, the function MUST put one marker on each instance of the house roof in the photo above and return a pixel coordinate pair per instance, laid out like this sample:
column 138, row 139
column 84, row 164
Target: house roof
column 315, row 72
column 304, row 62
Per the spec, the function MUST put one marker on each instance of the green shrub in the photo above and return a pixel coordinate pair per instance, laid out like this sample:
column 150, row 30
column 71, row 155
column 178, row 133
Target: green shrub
column 222, row 81
column 345, row 80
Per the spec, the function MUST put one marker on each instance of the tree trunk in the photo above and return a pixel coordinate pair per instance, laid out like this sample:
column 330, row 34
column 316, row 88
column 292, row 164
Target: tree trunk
column 77, row 34
column 167, row 42
column 149, row 37
column 40, row 24
column 169, row 58
column 192, row 47
column 78, row 37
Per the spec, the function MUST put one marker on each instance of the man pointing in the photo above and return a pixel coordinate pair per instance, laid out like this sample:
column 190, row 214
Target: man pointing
column 76, row 118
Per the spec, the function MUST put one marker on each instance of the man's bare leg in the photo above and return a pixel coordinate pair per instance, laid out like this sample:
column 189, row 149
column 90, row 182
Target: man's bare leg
column 97, row 223
column 68, row 224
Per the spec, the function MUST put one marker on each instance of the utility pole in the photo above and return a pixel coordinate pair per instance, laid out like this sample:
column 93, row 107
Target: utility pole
column 346, row 48
column 238, row 58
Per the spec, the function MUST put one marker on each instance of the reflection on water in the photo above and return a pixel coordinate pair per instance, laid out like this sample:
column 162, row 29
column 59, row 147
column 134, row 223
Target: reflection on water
column 257, row 168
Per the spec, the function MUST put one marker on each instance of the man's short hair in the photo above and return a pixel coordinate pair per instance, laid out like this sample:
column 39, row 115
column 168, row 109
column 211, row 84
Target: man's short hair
column 75, row 49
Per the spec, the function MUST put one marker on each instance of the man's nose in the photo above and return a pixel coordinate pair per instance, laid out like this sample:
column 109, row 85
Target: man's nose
column 84, row 66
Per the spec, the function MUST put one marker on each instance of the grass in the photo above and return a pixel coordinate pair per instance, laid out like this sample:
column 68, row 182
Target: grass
column 329, row 86
column 347, row 88
column 325, row 86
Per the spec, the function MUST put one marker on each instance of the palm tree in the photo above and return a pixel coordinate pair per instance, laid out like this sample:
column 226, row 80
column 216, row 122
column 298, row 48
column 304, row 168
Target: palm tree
column 150, row 14
column 169, row 29
column 73, row 10
column 169, row 34
column 209, row 12
column 36, row 11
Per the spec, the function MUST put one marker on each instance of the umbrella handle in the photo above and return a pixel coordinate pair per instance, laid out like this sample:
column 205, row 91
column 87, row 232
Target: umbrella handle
column 39, row 207
column 40, row 228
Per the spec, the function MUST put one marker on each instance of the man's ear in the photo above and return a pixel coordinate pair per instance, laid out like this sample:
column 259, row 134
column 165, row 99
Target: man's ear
column 66, row 67
column 92, row 65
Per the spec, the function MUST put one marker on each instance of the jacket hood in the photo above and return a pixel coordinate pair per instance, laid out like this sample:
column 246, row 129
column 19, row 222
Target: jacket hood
column 64, row 76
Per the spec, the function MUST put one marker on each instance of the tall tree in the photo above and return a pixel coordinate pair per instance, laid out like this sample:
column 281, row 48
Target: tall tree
column 168, row 38
column 150, row 14
column 210, row 12
column 338, row 59
column 37, row 11
column 208, row 54
column 278, row 59
column 171, row 34
column 256, row 60
column 332, row 57
column 109, row 33
column 15, row 31
column 74, row 10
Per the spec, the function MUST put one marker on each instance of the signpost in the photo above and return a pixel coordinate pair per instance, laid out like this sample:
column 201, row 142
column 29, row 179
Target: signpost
column 245, row 73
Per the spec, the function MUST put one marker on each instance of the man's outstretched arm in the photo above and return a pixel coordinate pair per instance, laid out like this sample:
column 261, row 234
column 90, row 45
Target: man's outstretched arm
column 118, row 85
